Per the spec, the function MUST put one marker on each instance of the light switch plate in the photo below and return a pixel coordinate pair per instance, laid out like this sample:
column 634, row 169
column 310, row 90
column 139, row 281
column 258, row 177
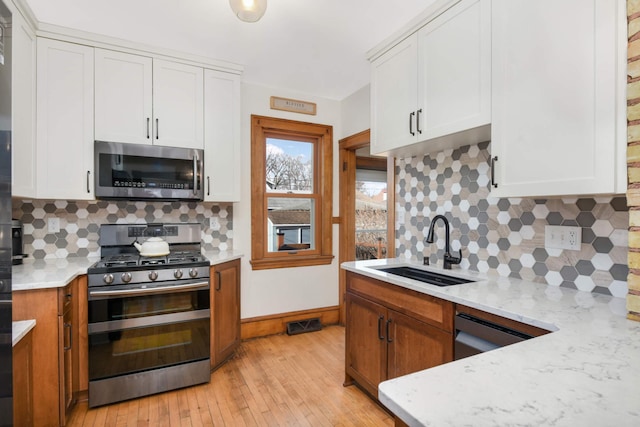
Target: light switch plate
column 562, row 237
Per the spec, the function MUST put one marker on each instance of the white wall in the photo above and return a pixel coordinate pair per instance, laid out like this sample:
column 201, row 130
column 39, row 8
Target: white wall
column 282, row 290
column 356, row 112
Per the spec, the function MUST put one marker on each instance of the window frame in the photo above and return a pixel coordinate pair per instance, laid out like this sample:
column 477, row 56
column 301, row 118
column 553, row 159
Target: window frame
column 322, row 137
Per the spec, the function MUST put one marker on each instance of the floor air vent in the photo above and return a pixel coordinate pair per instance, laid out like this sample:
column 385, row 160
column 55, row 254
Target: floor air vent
column 301, row 326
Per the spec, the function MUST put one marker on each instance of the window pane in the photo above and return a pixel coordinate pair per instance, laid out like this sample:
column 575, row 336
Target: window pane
column 289, row 166
column 290, row 224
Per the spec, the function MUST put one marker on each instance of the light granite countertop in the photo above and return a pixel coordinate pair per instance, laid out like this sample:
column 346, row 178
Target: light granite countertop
column 586, row 373
column 57, row 272
column 20, row 328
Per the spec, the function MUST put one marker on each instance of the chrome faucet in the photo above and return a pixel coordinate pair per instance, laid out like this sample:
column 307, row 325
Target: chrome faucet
column 449, row 259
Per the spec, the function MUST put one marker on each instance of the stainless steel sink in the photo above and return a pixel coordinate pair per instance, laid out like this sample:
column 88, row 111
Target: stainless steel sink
column 425, row 276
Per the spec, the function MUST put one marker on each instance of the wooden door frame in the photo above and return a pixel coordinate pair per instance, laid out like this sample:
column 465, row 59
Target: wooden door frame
column 347, row 164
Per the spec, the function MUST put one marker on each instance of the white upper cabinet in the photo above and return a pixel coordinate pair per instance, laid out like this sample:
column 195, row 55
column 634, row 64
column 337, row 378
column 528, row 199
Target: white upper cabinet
column 178, row 104
column 123, row 104
column 559, row 104
column 454, row 77
column 148, row 101
column 64, row 161
column 394, row 99
column 23, row 108
column 432, row 90
column 221, row 136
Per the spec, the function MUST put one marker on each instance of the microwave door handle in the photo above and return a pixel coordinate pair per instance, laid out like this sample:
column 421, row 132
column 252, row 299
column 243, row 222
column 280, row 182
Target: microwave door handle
column 195, row 172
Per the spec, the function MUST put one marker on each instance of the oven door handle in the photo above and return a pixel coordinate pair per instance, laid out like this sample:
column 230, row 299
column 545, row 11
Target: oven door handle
column 150, row 291
column 148, row 321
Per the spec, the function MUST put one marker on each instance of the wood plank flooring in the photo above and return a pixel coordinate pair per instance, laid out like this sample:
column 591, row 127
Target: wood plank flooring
column 274, row 381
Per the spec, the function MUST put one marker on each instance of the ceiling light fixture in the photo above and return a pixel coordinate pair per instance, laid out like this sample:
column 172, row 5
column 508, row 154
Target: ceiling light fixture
column 248, row 10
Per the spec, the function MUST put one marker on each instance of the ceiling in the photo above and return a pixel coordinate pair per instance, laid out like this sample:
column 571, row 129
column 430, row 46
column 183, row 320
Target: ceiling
column 314, row 47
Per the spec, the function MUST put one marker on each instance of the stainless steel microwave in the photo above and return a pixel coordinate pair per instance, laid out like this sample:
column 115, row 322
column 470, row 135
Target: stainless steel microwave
column 138, row 172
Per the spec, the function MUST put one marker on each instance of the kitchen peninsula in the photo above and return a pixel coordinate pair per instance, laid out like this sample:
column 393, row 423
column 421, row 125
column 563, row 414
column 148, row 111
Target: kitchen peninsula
column 587, row 372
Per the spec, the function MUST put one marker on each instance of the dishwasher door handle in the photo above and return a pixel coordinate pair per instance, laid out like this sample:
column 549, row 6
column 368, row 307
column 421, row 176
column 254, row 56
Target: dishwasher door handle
column 471, row 344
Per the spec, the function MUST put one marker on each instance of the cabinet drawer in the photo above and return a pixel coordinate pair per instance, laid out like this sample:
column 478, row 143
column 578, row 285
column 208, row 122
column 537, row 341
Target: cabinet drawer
column 423, row 307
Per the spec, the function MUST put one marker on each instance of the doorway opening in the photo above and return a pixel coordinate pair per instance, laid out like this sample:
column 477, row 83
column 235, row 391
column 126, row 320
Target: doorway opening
column 369, row 233
column 371, row 206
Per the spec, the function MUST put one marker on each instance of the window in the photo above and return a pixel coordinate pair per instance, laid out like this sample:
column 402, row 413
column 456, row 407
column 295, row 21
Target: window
column 291, row 189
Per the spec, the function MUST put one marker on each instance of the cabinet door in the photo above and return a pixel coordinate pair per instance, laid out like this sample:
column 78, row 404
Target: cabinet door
column 23, row 102
column 178, row 104
column 64, row 120
column 415, row 345
column 555, row 102
column 123, row 104
column 454, row 70
column 225, row 294
column 66, row 332
column 394, row 78
column 42, row 305
column 366, row 346
column 221, row 136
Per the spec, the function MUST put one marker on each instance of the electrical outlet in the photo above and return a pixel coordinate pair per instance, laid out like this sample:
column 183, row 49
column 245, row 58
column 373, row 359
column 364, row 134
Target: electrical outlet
column 562, row 237
column 53, row 225
column 214, row 224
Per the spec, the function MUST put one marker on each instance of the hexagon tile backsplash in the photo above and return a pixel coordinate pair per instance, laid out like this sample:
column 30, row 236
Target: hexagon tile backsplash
column 506, row 236
column 80, row 223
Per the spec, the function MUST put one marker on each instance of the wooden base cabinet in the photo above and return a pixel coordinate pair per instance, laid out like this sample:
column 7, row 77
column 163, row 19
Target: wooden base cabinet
column 225, row 311
column 53, row 356
column 392, row 331
column 23, row 382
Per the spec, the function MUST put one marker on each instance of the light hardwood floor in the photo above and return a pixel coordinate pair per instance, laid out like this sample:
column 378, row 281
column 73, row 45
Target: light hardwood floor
column 274, row 381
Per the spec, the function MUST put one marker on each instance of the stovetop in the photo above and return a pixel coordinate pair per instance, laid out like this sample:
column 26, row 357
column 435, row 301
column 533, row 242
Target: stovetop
column 133, row 260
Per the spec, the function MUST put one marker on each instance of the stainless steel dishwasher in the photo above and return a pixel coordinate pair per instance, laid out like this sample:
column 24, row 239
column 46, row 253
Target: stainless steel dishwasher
column 475, row 335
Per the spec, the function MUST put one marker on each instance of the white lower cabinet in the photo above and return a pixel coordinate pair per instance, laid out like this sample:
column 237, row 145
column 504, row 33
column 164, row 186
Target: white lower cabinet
column 64, row 159
column 222, row 136
column 558, row 101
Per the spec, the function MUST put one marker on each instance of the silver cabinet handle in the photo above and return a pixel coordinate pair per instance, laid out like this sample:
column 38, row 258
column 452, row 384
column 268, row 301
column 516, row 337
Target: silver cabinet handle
column 208, row 186
column 157, row 128
column 148, row 125
column 494, row 184
column 418, row 120
column 88, row 181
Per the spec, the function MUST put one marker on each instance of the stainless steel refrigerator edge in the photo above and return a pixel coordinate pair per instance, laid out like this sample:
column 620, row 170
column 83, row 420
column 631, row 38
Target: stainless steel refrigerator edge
column 6, row 347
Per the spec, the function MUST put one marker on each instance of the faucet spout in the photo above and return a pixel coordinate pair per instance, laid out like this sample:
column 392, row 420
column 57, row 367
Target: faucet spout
column 449, row 259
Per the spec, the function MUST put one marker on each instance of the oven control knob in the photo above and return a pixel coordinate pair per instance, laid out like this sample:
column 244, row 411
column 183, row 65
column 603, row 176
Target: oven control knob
column 153, row 275
column 177, row 274
column 126, row 277
column 193, row 272
column 108, row 278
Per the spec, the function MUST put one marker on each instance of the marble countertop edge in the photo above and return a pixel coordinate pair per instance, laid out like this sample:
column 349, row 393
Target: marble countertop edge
column 20, row 328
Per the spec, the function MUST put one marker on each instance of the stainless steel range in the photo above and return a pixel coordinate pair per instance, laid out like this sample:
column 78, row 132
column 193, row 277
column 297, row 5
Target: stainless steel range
column 149, row 328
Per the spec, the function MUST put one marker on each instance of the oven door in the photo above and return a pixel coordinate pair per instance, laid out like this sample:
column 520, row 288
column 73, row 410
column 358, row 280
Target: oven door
column 132, row 331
